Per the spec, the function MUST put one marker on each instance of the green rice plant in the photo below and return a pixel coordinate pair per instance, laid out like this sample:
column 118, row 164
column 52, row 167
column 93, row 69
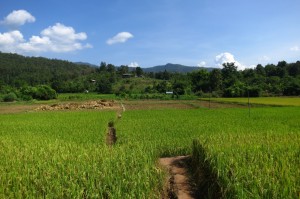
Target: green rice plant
column 253, row 157
column 270, row 101
column 63, row 154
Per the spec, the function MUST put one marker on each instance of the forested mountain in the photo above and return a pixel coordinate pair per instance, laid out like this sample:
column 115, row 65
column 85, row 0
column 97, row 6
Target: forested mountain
column 176, row 68
column 17, row 70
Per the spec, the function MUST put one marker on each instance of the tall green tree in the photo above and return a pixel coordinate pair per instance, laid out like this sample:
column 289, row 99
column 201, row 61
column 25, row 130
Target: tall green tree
column 138, row 71
column 215, row 78
column 200, row 80
column 230, row 74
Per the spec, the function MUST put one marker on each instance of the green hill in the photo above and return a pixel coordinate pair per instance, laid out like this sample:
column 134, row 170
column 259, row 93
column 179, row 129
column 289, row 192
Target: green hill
column 17, row 70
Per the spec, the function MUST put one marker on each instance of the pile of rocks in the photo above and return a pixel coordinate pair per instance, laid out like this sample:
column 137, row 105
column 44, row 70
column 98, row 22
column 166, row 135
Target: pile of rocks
column 100, row 104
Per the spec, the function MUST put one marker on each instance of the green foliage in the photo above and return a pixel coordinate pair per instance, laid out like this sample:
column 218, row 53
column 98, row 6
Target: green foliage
column 253, row 91
column 17, row 72
column 10, row 97
column 104, row 86
column 179, row 88
column 216, row 79
column 44, row 92
column 41, row 92
column 291, row 86
column 235, row 90
column 139, row 71
column 200, row 81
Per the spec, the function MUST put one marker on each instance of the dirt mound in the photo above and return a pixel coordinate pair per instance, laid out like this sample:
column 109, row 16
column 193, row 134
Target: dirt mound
column 100, row 104
column 178, row 184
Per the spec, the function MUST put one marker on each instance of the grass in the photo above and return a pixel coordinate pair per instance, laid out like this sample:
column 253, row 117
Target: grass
column 63, row 155
column 272, row 101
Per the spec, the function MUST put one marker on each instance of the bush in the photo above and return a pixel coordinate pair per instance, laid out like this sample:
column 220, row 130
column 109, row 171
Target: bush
column 41, row 92
column 10, row 97
column 27, row 93
column 45, row 92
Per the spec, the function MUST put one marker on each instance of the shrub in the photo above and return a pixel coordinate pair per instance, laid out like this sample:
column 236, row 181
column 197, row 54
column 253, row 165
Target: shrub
column 28, row 92
column 10, row 97
column 45, row 92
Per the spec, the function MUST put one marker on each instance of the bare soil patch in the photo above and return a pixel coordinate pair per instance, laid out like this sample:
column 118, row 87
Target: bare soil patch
column 85, row 105
column 100, row 104
column 114, row 105
column 13, row 108
column 178, row 184
column 155, row 104
column 175, row 104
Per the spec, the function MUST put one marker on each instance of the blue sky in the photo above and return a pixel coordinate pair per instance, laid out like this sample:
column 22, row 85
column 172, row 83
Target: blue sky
column 153, row 32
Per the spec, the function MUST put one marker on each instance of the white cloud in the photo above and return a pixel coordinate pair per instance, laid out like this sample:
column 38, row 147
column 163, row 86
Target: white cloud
column 57, row 38
column 227, row 58
column 18, row 18
column 9, row 41
column 202, row 64
column 62, row 33
column 10, row 38
column 134, row 64
column 295, row 48
column 119, row 38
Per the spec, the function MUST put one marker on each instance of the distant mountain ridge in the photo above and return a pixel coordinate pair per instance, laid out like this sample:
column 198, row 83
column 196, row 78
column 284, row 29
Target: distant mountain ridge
column 86, row 64
column 174, row 68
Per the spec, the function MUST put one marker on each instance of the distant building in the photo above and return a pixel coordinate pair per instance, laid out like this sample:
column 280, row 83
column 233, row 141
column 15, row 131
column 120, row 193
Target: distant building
column 127, row 75
column 169, row 92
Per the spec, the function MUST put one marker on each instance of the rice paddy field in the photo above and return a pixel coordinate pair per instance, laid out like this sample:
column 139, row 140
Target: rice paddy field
column 269, row 101
column 62, row 154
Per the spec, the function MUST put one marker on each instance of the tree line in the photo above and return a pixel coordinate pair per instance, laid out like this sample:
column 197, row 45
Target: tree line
column 25, row 76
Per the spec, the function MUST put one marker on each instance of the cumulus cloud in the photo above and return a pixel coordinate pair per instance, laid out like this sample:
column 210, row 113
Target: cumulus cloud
column 119, row 38
column 134, row 64
column 10, row 38
column 202, row 64
column 18, row 18
column 227, row 58
column 57, row 38
column 9, row 41
column 295, row 48
column 62, row 33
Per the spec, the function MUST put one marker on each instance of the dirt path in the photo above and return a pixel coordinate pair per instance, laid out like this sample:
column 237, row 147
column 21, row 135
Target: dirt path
column 178, row 184
column 16, row 108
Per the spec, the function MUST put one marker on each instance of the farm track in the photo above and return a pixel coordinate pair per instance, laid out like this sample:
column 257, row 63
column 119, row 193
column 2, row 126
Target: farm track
column 17, row 108
column 178, row 184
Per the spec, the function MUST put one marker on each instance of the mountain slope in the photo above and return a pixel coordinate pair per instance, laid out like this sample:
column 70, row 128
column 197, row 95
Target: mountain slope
column 17, row 70
column 174, row 68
